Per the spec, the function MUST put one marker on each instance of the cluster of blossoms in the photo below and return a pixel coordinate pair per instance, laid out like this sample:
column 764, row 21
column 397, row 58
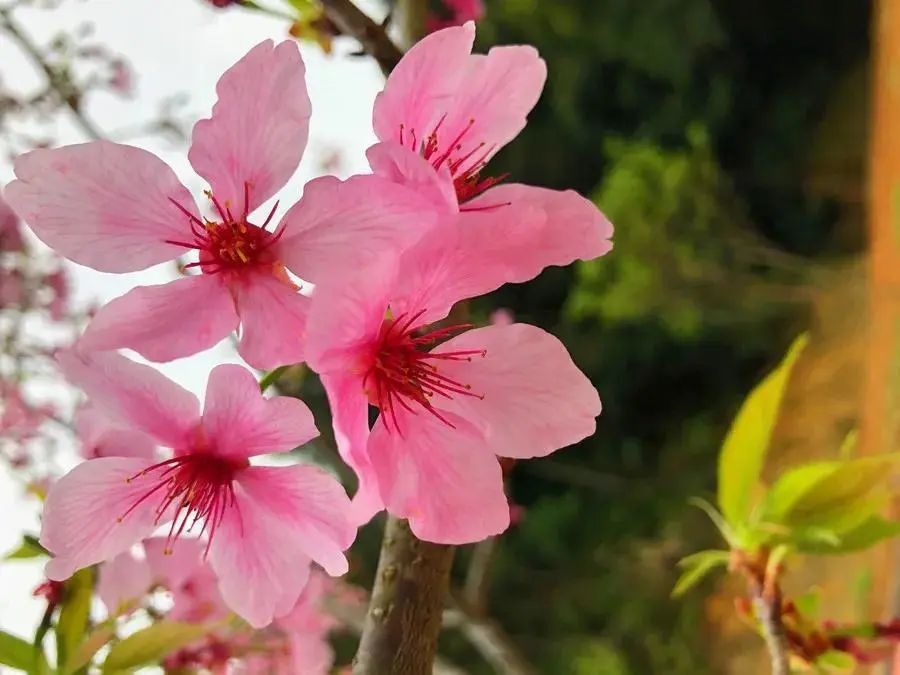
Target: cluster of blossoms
column 357, row 280
column 33, row 293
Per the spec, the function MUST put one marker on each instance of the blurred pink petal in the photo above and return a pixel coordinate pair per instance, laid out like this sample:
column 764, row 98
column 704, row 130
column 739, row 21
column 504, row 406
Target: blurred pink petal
column 101, row 204
column 456, row 13
column 101, row 438
column 10, row 235
column 123, row 581
column 165, row 322
column 258, row 129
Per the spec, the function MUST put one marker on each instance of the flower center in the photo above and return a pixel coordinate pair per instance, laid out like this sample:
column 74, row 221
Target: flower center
column 198, row 486
column 230, row 243
column 465, row 166
column 405, row 372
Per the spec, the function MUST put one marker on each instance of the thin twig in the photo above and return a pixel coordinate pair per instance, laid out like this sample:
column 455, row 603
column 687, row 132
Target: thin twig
column 768, row 610
column 373, row 37
column 64, row 89
column 490, row 640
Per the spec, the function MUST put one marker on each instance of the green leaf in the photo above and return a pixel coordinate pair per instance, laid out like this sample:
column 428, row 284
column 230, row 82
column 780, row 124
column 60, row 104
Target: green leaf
column 836, row 662
column 16, row 652
column 29, row 548
column 87, row 649
column 744, row 450
column 151, row 645
column 717, row 519
column 865, row 535
column 836, row 496
column 696, row 567
column 74, row 614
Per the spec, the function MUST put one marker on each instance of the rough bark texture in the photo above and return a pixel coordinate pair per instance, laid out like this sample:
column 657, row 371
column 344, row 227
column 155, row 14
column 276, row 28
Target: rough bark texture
column 405, row 613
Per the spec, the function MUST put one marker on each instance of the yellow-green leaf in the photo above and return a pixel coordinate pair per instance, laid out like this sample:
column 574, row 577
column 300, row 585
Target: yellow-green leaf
column 86, row 650
column 74, row 614
column 744, row 450
column 29, row 548
column 865, row 535
column 835, row 496
column 695, row 567
column 151, row 645
column 836, row 662
column 16, row 652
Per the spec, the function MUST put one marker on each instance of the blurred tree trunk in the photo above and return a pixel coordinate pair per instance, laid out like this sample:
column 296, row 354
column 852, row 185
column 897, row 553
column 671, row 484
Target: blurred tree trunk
column 880, row 398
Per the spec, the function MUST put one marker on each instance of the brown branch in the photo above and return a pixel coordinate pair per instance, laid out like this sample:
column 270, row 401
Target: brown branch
column 67, row 93
column 350, row 20
column 405, row 613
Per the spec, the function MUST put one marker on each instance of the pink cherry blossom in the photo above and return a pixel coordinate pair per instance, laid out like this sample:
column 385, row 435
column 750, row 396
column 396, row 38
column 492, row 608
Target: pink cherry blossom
column 448, row 407
column 118, row 208
column 455, row 13
column 262, row 525
column 443, row 114
column 299, row 640
column 10, row 236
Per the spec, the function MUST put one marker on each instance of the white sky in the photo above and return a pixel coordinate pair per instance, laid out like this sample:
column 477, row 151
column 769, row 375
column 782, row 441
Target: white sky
column 174, row 46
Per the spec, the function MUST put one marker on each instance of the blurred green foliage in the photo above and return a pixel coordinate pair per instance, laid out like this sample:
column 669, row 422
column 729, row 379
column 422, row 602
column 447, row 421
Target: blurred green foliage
column 692, row 123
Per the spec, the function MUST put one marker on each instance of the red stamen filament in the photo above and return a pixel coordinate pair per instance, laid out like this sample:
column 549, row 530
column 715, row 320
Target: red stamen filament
column 467, row 181
column 199, row 486
column 230, row 243
column 405, row 373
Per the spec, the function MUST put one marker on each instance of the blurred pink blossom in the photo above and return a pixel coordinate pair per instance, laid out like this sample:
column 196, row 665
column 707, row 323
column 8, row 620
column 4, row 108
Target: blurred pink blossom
column 455, row 13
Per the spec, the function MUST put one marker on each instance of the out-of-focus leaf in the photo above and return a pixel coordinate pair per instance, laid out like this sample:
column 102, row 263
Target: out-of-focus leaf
column 150, row 645
column 865, row 535
column 86, row 650
column 724, row 528
column 29, row 548
column 695, row 567
column 74, row 614
column 16, row 652
column 808, row 604
column 836, row 662
column 744, row 450
column 834, row 496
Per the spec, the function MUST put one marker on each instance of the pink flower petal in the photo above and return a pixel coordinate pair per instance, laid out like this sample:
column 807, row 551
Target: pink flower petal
column 542, row 227
column 396, row 163
column 259, row 126
column 344, row 319
column 513, row 243
column 340, row 227
column 171, row 563
column 445, row 481
column 423, row 85
column 535, row 399
column 310, row 505
column 282, row 517
column 165, row 322
column 101, row 438
column 240, row 422
column 101, row 204
column 273, row 321
column 496, row 94
column 197, row 598
column 85, row 521
column 134, row 395
column 123, row 581
column 350, row 418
